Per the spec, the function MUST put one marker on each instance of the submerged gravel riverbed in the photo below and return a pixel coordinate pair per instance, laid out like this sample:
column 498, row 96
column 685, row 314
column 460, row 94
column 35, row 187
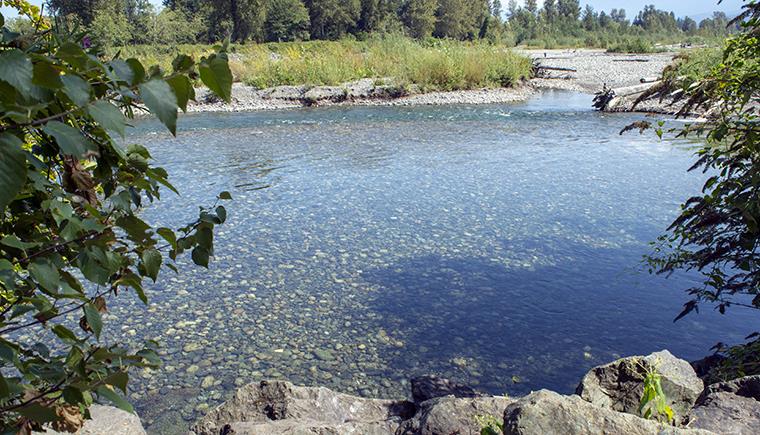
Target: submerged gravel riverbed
column 498, row 245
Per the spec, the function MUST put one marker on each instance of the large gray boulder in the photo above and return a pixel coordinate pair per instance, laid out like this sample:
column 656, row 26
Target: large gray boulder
column 310, row 427
column 430, row 386
column 262, row 408
column 285, row 92
column 451, row 415
column 619, row 385
column 325, row 93
column 107, row 420
column 729, row 407
column 548, row 413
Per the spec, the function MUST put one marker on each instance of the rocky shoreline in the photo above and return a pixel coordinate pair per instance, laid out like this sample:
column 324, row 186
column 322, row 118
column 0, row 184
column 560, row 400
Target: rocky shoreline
column 606, row 401
column 582, row 70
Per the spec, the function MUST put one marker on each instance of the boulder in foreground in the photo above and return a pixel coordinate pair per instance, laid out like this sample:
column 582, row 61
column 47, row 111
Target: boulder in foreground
column 430, row 386
column 548, row 413
column 107, row 420
column 278, row 407
column 619, row 385
column 451, row 415
column 729, row 407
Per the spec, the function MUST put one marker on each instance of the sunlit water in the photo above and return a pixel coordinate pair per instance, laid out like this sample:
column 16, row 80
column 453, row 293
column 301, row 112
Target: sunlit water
column 497, row 245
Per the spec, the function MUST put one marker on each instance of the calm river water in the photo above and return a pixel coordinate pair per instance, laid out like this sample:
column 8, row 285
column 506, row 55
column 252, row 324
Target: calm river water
column 497, row 245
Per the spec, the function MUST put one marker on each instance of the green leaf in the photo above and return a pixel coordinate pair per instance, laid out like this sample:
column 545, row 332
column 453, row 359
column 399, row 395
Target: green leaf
column 73, row 54
column 161, row 101
column 169, row 236
column 64, row 333
column 182, row 62
column 118, row 380
column 200, row 256
column 92, row 315
column 183, row 90
column 122, row 70
column 138, row 71
column 5, row 389
column 115, row 398
column 205, row 237
column 73, row 396
column 222, row 213
column 46, row 274
column 152, row 261
column 215, row 73
column 47, row 76
column 77, row 89
column 38, row 413
column 70, row 140
column 16, row 70
column 12, row 168
column 13, row 241
column 108, row 116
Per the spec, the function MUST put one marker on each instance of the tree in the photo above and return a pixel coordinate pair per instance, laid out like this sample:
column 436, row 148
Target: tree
column 460, row 19
column 175, row 26
column 287, row 20
column 687, row 25
column 496, row 9
column 717, row 233
column 590, row 18
column 71, row 235
column 82, row 9
column 242, row 20
column 110, row 27
column 618, row 16
column 550, row 11
column 569, row 10
column 331, row 19
column 605, row 22
column 531, row 6
column 512, row 8
column 419, row 17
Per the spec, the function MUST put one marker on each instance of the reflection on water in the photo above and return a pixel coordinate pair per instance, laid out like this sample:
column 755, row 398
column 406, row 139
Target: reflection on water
column 498, row 245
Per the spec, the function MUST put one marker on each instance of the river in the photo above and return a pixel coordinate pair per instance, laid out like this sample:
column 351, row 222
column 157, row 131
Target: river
column 498, row 245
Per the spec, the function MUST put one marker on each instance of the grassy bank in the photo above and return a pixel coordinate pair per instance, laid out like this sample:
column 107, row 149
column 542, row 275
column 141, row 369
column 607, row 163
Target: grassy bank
column 693, row 66
column 432, row 65
column 619, row 43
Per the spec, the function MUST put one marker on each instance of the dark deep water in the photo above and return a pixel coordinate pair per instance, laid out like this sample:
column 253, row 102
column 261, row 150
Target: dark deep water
column 498, row 245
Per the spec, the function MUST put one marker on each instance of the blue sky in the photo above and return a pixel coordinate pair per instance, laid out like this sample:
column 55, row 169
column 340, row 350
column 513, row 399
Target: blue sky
column 680, row 7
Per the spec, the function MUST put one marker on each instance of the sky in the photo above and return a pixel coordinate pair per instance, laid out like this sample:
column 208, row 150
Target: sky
column 680, row 7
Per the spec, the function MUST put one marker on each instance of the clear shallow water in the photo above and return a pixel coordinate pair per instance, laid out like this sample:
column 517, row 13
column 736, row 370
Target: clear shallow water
column 497, row 245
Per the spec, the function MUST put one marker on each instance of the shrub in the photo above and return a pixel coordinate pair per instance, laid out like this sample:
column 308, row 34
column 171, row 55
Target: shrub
column 71, row 236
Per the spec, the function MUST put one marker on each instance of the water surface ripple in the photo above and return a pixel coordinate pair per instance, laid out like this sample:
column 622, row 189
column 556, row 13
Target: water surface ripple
column 498, row 245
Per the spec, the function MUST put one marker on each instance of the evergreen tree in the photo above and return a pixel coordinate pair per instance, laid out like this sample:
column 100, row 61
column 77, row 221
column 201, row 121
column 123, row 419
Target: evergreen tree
column 550, row 11
column 84, row 10
column 419, row 17
column 460, row 19
column 589, row 19
column 512, row 8
column 332, row 19
column 287, row 20
column 496, row 10
column 532, row 6
column 570, row 10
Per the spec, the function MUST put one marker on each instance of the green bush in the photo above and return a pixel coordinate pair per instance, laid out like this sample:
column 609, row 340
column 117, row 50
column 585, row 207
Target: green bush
column 71, row 235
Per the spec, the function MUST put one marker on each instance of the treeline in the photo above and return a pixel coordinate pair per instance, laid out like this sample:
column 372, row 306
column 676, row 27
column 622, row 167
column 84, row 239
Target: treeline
column 561, row 20
column 130, row 22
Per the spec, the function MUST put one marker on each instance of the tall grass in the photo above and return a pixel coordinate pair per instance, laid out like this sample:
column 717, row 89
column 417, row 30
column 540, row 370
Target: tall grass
column 693, row 66
column 432, row 65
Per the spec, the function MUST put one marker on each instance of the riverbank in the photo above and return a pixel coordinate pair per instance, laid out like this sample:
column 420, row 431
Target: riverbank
column 592, row 70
